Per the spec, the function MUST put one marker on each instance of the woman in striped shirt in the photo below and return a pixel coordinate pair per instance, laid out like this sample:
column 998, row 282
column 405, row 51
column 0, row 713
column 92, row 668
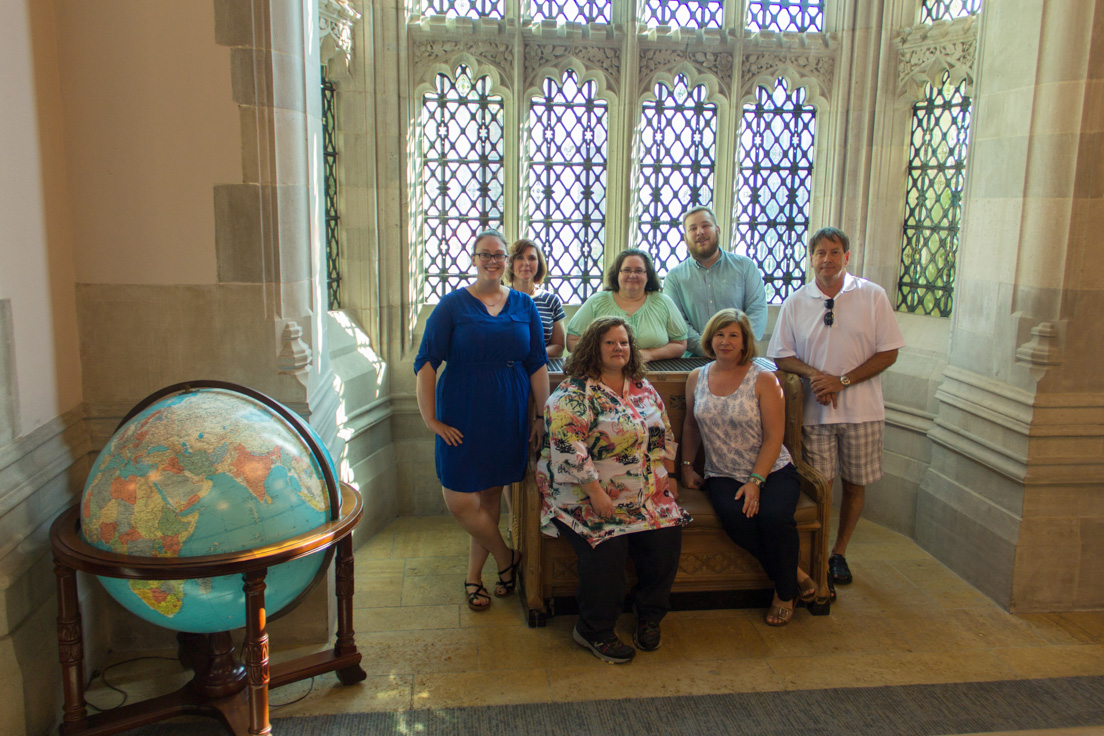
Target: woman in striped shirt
column 525, row 270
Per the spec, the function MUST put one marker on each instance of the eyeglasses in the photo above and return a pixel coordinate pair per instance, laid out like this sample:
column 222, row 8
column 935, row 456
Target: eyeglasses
column 829, row 316
column 488, row 257
column 633, row 272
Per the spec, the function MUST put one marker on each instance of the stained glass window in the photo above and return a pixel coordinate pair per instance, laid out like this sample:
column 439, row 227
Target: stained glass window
column 461, row 177
column 568, row 137
column 774, row 186
column 933, row 10
column 682, row 13
column 571, row 11
column 933, row 199
column 329, row 186
column 676, row 154
column 463, row 8
column 785, row 15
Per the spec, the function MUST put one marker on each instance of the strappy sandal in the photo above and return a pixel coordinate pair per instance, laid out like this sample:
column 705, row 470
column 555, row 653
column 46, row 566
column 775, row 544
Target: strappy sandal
column 476, row 592
column 778, row 615
column 504, row 588
column 808, row 591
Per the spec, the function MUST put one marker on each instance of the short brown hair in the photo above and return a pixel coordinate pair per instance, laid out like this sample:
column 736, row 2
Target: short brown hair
column 830, row 233
column 585, row 360
column 723, row 319
column 518, row 248
column 700, row 208
column 652, row 282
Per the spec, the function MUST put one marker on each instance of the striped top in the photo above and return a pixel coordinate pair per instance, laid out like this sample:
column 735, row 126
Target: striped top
column 550, row 309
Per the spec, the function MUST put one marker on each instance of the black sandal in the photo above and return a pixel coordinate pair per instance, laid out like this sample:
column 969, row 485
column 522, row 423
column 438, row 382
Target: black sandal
column 480, row 593
column 505, row 587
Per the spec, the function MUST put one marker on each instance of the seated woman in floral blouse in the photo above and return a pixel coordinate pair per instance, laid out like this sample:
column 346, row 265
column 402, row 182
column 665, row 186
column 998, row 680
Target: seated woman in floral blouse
column 603, row 480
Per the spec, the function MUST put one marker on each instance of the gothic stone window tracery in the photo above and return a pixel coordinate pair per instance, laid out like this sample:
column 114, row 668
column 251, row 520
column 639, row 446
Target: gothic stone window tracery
column 785, row 15
column 774, row 186
column 463, row 8
column 682, row 13
column 568, row 141
column 461, row 176
column 329, row 182
column 571, row 11
column 933, row 199
column 676, row 154
column 933, row 10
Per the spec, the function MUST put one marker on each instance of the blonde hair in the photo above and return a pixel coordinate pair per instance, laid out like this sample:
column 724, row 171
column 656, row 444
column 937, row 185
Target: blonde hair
column 723, row 319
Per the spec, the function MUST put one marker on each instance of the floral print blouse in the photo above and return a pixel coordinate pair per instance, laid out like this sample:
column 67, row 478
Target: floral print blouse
column 593, row 434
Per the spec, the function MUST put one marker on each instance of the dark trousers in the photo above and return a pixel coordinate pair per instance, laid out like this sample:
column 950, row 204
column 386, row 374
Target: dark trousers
column 770, row 535
column 601, row 591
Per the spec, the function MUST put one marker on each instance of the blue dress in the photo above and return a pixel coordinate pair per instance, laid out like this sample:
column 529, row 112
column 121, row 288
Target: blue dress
column 484, row 389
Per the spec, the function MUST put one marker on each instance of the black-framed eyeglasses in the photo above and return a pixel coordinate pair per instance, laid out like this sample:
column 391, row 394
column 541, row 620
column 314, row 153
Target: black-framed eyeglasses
column 829, row 316
column 488, row 257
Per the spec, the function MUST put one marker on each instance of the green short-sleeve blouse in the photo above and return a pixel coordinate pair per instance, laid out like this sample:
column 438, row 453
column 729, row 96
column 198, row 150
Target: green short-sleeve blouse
column 655, row 324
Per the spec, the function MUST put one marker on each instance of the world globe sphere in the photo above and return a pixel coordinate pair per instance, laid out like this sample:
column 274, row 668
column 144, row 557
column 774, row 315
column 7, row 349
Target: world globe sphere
column 207, row 471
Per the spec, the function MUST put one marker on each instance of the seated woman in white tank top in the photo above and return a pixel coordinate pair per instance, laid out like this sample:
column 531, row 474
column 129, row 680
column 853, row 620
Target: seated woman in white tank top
column 736, row 409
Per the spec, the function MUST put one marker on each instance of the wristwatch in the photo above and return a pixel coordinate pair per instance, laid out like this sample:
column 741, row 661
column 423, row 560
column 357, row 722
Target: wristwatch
column 845, row 381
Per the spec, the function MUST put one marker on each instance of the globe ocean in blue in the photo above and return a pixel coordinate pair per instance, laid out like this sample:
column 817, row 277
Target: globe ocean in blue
column 206, row 471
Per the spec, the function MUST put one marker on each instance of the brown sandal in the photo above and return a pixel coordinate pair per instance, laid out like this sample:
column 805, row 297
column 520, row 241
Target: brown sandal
column 808, row 591
column 504, row 588
column 780, row 615
column 478, row 594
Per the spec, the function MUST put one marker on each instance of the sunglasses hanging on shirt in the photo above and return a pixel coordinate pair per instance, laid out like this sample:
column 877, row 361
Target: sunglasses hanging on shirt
column 829, row 316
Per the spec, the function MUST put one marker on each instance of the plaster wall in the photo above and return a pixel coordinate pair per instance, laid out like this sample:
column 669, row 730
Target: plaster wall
column 151, row 128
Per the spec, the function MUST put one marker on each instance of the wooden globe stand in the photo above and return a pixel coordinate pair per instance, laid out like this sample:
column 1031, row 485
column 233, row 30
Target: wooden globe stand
column 222, row 688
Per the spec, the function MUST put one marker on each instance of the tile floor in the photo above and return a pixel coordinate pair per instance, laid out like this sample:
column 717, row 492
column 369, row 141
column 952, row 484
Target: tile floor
column 905, row 620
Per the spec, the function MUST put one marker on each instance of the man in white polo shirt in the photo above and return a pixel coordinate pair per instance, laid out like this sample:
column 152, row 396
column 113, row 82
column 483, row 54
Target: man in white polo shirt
column 839, row 333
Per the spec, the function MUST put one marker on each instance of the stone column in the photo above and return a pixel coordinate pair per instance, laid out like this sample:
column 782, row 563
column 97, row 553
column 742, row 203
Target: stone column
column 1013, row 498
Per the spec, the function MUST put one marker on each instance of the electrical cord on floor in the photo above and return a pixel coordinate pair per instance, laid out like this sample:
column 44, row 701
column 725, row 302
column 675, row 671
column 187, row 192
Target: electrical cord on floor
column 274, row 706
column 103, row 676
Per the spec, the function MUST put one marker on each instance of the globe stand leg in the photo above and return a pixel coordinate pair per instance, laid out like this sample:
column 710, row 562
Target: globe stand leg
column 255, row 650
column 70, row 645
column 345, row 645
column 211, row 657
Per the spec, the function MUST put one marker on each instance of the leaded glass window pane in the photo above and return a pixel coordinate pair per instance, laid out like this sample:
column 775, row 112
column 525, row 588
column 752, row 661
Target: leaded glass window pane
column 933, row 10
column 329, row 187
column 462, row 176
column 933, row 199
column 785, row 15
column 774, row 186
column 568, row 139
column 463, row 8
column 683, row 13
column 676, row 155
column 571, row 11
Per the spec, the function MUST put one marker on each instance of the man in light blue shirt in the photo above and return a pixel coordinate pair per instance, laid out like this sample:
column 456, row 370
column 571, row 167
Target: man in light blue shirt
column 713, row 279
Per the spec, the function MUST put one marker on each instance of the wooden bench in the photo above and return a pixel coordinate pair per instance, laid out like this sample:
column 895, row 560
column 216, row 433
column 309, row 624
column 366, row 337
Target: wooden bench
column 712, row 567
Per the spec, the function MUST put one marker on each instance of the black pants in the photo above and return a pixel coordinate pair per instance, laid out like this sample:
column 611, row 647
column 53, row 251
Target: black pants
column 601, row 591
column 770, row 535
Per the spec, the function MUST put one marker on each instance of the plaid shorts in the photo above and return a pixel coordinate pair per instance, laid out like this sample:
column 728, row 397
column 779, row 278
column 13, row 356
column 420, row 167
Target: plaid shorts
column 858, row 447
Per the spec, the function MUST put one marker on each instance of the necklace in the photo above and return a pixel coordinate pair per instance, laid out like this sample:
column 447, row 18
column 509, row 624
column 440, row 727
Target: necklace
column 493, row 304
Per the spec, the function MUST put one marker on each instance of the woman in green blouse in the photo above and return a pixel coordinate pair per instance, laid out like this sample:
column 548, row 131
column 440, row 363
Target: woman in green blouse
column 633, row 294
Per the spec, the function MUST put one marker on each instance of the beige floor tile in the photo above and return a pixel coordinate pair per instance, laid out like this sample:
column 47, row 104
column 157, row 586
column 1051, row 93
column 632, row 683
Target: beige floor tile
column 439, row 565
column 1058, row 628
column 1069, row 661
column 417, row 652
column 722, row 635
column 857, row 670
column 463, row 689
column 328, row 696
column 842, row 632
column 406, row 618
column 1091, row 622
column 521, row 648
column 376, row 548
column 996, row 628
column 935, row 631
column 445, row 542
column 377, row 589
column 502, row 612
column 434, row 590
column 594, row 680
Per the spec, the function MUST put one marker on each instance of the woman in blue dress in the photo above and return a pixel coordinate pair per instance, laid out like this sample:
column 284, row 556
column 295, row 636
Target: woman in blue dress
column 492, row 342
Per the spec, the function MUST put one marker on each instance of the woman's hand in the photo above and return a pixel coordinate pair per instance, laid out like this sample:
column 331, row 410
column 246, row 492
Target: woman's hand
column 750, row 493
column 603, row 505
column 690, row 478
column 536, row 433
column 451, row 435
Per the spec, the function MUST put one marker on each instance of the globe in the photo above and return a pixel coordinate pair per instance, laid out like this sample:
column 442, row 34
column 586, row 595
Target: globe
column 202, row 471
